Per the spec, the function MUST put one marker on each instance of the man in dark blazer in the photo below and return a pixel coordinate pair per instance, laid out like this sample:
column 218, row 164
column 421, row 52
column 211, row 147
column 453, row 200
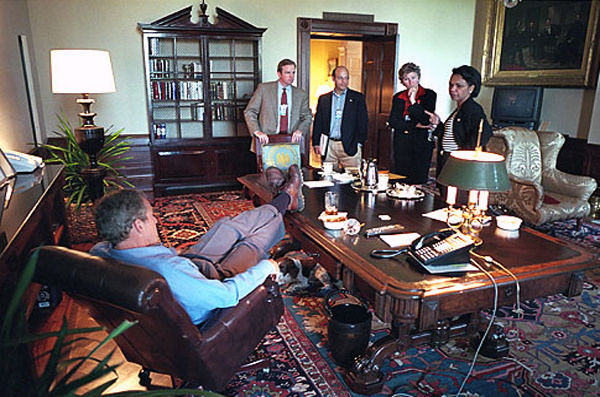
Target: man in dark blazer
column 341, row 123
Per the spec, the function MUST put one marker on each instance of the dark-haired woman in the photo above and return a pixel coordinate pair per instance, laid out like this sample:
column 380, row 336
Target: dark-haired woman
column 412, row 118
column 460, row 131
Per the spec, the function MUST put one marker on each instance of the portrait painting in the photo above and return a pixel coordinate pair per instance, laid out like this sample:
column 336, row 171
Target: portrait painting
column 544, row 43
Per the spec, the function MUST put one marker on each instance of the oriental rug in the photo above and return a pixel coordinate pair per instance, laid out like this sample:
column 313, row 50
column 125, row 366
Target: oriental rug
column 554, row 347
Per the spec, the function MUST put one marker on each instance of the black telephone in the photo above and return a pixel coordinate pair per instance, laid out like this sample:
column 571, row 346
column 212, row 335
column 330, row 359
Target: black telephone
column 444, row 247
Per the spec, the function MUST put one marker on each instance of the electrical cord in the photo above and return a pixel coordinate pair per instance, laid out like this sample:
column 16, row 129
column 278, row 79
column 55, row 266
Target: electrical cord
column 488, row 259
column 485, row 334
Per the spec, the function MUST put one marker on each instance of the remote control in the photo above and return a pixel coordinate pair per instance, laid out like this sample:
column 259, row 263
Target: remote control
column 388, row 229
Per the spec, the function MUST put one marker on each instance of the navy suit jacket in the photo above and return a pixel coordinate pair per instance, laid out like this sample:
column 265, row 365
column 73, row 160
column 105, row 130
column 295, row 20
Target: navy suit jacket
column 355, row 121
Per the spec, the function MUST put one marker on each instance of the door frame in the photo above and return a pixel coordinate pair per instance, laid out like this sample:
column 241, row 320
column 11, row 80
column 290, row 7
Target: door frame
column 343, row 30
column 348, row 29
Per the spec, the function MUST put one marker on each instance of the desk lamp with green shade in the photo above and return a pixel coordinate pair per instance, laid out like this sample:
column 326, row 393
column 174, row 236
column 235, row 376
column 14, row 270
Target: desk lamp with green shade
column 478, row 172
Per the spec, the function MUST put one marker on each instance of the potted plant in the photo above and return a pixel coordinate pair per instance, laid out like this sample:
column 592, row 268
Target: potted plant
column 74, row 159
column 60, row 377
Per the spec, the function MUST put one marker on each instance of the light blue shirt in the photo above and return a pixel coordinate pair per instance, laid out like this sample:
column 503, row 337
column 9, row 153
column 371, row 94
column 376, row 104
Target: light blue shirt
column 337, row 111
column 288, row 93
column 197, row 294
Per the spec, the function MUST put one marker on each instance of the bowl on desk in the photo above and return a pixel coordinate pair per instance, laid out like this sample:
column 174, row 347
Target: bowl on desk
column 335, row 222
column 507, row 222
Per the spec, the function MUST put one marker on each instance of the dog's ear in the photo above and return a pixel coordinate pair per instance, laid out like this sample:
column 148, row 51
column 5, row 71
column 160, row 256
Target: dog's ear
column 289, row 267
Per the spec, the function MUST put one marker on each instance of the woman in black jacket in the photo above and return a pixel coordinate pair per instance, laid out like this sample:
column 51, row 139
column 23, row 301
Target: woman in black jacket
column 461, row 130
column 412, row 118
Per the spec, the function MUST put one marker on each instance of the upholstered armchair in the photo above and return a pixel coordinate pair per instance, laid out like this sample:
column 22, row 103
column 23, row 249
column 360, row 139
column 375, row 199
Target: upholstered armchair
column 164, row 339
column 539, row 192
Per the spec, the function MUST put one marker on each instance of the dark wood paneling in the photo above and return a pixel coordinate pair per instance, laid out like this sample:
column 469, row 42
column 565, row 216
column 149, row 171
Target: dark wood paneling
column 580, row 158
column 137, row 169
column 173, row 163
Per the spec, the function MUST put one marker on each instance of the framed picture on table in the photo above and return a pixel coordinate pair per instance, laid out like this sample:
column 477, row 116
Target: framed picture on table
column 542, row 43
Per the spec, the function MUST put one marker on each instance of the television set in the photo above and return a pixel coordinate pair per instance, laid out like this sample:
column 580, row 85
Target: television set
column 520, row 106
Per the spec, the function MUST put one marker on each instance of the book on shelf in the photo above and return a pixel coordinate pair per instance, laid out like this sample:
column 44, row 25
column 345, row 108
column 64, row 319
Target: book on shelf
column 164, row 90
column 154, row 46
column 190, row 90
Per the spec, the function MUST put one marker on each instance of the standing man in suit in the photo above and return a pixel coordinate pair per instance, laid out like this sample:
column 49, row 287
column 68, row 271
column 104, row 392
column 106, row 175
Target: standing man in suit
column 277, row 107
column 342, row 117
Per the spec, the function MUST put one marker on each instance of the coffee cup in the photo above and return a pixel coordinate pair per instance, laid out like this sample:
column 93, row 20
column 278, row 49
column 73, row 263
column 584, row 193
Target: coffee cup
column 327, row 168
column 383, row 179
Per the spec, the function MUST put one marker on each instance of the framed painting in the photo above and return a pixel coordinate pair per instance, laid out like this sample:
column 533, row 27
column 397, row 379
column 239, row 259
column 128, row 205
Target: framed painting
column 542, row 43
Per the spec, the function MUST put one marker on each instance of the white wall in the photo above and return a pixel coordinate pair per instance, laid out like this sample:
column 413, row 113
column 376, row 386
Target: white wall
column 436, row 34
column 16, row 132
column 112, row 25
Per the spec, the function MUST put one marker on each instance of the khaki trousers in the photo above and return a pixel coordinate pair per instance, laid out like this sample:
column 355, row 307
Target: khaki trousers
column 235, row 244
column 337, row 155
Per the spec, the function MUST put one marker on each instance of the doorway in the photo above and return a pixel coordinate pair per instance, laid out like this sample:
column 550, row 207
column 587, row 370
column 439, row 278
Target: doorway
column 368, row 50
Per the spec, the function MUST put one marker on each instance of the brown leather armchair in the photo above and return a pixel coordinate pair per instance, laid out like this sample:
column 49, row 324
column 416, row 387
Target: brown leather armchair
column 539, row 191
column 165, row 340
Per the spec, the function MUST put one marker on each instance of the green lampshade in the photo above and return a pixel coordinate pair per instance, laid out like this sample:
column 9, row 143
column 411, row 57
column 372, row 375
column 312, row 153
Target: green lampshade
column 475, row 170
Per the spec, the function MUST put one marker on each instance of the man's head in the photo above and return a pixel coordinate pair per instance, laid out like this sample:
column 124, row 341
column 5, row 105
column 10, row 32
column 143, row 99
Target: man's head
column 126, row 216
column 286, row 71
column 340, row 78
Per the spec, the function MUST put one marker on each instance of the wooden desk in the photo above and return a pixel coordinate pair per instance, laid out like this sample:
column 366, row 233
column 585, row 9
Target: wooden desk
column 35, row 215
column 418, row 306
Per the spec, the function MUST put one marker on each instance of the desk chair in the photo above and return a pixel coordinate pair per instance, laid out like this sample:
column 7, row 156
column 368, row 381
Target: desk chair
column 165, row 340
column 274, row 139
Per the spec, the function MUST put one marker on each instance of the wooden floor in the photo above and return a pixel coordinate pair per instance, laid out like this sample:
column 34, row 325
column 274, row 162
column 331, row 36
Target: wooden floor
column 78, row 317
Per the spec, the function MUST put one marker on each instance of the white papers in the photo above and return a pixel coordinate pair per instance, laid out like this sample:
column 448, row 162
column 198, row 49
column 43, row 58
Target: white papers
column 438, row 215
column 453, row 268
column 315, row 184
column 399, row 240
column 342, row 178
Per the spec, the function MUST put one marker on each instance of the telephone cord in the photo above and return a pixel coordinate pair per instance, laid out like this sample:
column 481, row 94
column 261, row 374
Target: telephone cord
column 485, row 334
column 488, row 259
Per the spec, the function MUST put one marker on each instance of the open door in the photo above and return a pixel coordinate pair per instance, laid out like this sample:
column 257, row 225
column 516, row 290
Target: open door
column 379, row 61
column 379, row 57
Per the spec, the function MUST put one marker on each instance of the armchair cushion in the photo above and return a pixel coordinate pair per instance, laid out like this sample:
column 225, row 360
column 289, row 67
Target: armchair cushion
column 539, row 192
column 165, row 339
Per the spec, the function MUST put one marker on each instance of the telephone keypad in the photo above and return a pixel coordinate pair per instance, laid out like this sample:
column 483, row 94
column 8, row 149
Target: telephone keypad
column 436, row 250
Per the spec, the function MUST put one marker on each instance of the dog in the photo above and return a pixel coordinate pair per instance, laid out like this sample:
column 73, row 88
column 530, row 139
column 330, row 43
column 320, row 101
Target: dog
column 294, row 278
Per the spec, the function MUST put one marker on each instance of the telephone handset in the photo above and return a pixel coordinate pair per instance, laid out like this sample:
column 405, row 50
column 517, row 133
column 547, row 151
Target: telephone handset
column 443, row 247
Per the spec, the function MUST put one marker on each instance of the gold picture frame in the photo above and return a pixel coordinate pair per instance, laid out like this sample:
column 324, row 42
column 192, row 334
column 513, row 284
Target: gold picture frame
column 534, row 50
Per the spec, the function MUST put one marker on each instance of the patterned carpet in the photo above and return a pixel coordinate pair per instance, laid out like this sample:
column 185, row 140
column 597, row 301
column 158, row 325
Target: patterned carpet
column 555, row 348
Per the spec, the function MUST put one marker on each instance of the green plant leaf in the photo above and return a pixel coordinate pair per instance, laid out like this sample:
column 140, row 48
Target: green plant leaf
column 74, row 159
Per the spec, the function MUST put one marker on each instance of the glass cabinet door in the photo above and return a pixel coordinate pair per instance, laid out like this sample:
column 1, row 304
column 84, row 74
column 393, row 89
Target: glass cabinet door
column 233, row 76
column 190, row 79
column 163, row 88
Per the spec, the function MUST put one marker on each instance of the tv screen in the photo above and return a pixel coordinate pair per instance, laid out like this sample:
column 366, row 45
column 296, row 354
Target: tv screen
column 517, row 104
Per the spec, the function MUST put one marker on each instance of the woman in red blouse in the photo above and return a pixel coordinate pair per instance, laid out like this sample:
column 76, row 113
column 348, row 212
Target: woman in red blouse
column 413, row 119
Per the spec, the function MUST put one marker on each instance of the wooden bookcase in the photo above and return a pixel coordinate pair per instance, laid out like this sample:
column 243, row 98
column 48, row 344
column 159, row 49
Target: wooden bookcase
column 199, row 79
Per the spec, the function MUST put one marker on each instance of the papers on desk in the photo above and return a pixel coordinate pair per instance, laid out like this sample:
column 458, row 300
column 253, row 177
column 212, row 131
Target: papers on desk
column 315, row 184
column 399, row 240
column 438, row 215
column 453, row 268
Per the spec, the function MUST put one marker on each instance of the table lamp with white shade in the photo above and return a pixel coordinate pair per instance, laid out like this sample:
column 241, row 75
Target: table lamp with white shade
column 85, row 72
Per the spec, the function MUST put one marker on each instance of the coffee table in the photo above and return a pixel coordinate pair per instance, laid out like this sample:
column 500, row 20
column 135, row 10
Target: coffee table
column 424, row 308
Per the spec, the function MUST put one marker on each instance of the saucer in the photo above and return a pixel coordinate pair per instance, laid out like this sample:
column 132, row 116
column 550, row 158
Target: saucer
column 358, row 186
column 404, row 194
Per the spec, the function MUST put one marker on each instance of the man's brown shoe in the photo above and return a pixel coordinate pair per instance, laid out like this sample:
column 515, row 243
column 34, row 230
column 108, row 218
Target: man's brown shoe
column 292, row 187
column 275, row 178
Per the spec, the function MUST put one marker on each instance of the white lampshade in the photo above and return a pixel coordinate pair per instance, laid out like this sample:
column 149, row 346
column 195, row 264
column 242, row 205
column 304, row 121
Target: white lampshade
column 81, row 72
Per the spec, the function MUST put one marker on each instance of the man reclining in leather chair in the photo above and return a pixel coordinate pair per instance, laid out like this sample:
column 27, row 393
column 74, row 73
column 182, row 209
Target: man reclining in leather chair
column 226, row 264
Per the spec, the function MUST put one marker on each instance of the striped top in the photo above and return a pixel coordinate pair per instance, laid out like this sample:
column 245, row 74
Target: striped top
column 448, row 142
